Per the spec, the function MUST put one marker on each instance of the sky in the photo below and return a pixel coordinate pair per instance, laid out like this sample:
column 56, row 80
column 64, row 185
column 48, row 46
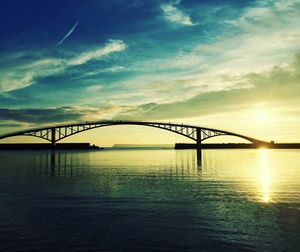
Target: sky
column 226, row 64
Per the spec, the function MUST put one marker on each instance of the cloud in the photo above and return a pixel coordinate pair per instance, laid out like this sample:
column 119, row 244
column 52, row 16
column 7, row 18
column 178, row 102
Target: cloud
column 175, row 15
column 26, row 72
column 39, row 117
column 111, row 47
column 277, row 88
column 200, row 73
column 94, row 88
column 11, row 125
column 67, row 34
column 261, row 37
column 114, row 69
column 257, row 41
column 11, row 81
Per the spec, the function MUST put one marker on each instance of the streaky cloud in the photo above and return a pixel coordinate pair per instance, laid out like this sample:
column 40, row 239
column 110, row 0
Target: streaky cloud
column 27, row 73
column 68, row 34
column 113, row 45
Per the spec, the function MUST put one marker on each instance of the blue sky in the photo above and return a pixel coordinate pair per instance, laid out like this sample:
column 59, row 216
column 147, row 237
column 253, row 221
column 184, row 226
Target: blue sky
column 151, row 60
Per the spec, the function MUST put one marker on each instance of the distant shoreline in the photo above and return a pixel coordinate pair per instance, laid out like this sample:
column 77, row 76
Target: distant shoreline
column 178, row 146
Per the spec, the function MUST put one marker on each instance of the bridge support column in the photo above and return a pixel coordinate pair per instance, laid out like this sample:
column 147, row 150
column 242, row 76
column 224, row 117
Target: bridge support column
column 199, row 151
column 53, row 138
column 199, row 158
column 198, row 136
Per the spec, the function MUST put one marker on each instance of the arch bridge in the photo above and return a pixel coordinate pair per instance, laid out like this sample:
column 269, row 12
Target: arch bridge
column 56, row 133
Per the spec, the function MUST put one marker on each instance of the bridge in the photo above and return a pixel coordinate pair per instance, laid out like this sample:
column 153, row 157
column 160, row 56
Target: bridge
column 56, row 133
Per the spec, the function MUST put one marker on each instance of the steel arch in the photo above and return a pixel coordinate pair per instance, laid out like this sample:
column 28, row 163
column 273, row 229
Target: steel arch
column 56, row 133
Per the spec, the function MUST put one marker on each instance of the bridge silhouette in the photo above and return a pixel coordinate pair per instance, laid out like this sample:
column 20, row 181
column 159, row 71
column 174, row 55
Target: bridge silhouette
column 56, row 133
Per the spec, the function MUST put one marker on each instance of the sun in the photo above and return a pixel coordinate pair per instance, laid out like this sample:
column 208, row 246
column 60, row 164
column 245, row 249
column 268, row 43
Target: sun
column 262, row 116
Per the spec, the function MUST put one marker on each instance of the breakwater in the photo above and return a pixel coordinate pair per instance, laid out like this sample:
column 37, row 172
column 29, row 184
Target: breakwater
column 46, row 146
column 182, row 146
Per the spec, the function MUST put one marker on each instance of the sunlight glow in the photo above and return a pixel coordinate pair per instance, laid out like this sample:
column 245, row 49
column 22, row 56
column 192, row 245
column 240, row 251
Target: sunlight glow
column 262, row 116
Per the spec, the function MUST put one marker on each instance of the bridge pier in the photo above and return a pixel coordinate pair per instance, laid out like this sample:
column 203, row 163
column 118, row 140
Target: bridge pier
column 199, row 149
column 53, row 138
column 199, row 158
column 198, row 137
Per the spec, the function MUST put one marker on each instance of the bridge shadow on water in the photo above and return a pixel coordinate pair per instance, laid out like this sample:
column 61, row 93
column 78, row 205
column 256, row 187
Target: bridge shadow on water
column 76, row 163
column 63, row 164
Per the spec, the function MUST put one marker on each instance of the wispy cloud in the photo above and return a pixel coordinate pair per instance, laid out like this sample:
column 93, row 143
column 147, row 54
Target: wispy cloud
column 112, row 69
column 26, row 73
column 278, row 86
column 175, row 15
column 67, row 34
column 110, row 47
column 264, row 35
column 261, row 37
column 278, row 90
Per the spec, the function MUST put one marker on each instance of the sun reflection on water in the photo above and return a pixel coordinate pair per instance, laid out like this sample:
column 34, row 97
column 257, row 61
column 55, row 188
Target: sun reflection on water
column 265, row 191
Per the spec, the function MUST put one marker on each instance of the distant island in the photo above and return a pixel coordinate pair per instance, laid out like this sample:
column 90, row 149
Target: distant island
column 143, row 146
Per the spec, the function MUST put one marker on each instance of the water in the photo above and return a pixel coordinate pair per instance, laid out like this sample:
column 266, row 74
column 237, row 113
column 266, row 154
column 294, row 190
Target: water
column 150, row 200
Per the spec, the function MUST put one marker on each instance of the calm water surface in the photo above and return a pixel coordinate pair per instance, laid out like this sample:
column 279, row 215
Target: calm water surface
column 150, row 200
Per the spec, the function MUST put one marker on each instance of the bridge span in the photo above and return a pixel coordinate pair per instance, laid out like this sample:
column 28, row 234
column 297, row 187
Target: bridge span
column 55, row 133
